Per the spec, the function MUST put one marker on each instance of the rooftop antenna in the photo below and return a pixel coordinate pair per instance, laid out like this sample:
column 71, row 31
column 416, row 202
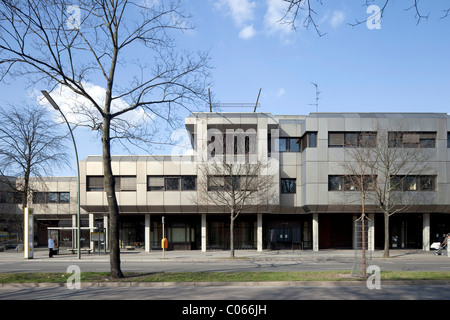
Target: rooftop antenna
column 234, row 105
column 257, row 99
column 210, row 104
column 317, row 96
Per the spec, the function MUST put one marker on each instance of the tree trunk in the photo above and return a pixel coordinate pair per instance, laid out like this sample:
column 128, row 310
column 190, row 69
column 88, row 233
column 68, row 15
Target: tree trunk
column 113, row 208
column 231, row 236
column 386, row 235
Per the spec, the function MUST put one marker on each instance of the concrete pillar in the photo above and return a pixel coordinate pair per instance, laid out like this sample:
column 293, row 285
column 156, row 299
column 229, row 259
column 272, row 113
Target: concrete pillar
column 74, row 231
column 354, row 218
column 426, row 232
column 315, row 231
column 371, row 234
column 91, row 229
column 147, row 233
column 203, row 232
column 259, row 232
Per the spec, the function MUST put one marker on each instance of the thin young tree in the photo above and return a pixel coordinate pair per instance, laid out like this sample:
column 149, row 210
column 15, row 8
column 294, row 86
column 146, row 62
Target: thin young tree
column 119, row 61
column 234, row 181
column 393, row 165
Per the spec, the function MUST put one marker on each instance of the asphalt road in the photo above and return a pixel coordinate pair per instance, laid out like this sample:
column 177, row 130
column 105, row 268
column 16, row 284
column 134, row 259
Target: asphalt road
column 268, row 261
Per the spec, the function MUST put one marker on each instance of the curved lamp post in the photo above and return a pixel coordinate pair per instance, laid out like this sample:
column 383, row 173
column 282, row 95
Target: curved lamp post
column 56, row 107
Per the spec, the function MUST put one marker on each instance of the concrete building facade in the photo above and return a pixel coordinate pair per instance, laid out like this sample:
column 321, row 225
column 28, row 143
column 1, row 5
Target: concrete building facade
column 312, row 208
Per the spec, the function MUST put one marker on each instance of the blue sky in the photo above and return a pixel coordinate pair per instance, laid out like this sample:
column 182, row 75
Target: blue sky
column 401, row 67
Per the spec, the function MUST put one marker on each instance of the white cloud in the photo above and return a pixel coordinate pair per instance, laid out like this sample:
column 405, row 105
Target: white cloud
column 247, row 33
column 242, row 11
column 281, row 92
column 337, row 18
column 78, row 110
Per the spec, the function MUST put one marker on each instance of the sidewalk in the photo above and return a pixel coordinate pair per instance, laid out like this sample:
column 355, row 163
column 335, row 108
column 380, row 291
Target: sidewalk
column 220, row 255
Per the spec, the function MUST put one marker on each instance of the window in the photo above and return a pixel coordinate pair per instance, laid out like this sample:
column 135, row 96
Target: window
column 288, row 185
column 312, row 139
column 294, row 144
column 413, row 183
column 336, row 139
column 351, row 183
column 64, row 197
column 188, row 183
column 335, row 183
column 125, row 183
column 412, row 139
column 51, row 197
column 237, row 183
column 94, row 183
column 426, row 183
column 39, row 197
column 283, row 144
column 448, row 139
column 172, row 183
column 122, row 183
column 216, row 183
column 352, row 139
column 155, row 184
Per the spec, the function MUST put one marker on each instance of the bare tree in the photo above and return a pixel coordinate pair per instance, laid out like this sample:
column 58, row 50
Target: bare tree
column 306, row 11
column 391, row 172
column 31, row 145
column 126, row 48
column 235, row 181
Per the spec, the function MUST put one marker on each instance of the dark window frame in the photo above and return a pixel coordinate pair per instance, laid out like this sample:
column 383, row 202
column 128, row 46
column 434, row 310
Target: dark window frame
column 288, row 185
column 178, row 183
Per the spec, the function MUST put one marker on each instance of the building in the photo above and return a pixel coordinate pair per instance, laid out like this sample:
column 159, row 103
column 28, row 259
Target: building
column 313, row 207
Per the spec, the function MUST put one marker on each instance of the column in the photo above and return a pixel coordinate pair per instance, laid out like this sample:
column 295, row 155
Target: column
column 259, row 233
column 371, row 233
column 315, row 231
column 354, row 218
column 74, row 231
column 147, row 233
column 203, row 232
column 426, row 232
column 91, row 229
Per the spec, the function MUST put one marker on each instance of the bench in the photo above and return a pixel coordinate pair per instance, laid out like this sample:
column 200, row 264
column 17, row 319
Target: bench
column 82, row 250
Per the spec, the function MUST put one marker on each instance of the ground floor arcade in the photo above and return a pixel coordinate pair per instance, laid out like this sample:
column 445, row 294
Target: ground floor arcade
column 253, row 231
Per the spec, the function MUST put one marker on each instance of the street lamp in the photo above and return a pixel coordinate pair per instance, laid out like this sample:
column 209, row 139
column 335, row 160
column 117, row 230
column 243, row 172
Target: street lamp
column 56, row 107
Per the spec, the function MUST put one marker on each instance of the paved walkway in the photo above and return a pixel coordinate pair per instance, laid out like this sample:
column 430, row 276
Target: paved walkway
column 217, row 255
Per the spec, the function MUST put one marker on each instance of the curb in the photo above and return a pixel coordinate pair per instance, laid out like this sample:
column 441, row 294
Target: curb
column 119, row 284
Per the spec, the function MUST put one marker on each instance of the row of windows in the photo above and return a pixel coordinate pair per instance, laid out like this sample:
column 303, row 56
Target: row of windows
column 297, row 144
column 398, row 183
column 396, row 139
column 122, row 183
column 10, row 197
column 51, row 197
column 352, row 139
column 187, row 183
column 173, row 183
column 241, row 183
column 350, row 183
column 412, row 139
column 38, row 197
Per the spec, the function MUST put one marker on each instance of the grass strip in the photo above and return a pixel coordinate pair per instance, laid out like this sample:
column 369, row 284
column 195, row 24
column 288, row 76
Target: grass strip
column 43, row 277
